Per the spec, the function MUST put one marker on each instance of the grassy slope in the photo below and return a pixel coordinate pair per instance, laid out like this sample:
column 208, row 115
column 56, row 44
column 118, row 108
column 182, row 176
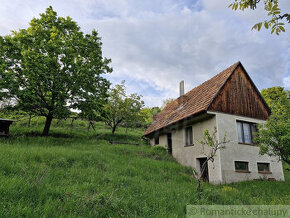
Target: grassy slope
column 76, row 173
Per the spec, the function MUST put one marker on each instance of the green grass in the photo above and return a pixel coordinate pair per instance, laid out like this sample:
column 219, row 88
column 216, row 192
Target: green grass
column 76, row 173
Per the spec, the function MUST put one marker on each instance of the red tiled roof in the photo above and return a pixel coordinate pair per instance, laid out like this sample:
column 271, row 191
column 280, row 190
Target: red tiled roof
column 191, row 103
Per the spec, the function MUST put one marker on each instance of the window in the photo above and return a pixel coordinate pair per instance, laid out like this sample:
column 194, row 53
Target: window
column 156, row 140
column 263, row 167
column 241, row 166
column 188, row 136
column 246, row 132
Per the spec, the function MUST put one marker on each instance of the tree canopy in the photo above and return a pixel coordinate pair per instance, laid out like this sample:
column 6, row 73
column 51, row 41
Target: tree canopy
column 275, row 20
column 52, row 67
column 274, row 137
column 122, row 108
column 147, row 114
column 277, row 100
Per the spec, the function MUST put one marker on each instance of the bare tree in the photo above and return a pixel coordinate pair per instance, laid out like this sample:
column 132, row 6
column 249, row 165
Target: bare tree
column 211, row 141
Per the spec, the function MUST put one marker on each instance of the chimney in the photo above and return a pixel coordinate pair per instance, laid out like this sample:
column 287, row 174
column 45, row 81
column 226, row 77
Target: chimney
column 181, row 88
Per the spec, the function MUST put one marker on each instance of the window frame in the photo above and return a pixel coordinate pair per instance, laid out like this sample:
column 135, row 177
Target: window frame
column 264, row 172
column 242, row 171
column 190, row 143
column 156, row 140
column 251, row 127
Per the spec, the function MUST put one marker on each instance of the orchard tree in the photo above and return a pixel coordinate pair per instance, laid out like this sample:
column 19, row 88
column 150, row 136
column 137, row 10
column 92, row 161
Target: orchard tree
column 276, row 19
column 274, row 136
column 277, row 99
column 147, row 114
column 92, row 110
column 52, row 67
column 211, row 145
column 122, row 108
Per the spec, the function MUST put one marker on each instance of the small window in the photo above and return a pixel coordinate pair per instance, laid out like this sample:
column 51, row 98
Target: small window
column 263, row 167
column 246, row 132
column 188, row 136
column 156, row 140
column 242, row 166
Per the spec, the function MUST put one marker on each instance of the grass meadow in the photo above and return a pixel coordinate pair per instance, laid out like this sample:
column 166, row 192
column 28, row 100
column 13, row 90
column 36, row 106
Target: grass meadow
column 76, row 173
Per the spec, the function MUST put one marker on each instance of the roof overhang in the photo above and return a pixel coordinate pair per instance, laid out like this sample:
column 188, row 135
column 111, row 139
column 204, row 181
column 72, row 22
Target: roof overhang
column 6, row 121
column 202, row 115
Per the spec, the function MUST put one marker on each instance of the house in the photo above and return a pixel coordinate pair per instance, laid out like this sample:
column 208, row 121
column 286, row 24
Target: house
column 230, row 102
column 4, row 127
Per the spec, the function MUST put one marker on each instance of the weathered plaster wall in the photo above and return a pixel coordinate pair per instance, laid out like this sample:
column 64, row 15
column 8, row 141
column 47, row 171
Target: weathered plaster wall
column 187, row 155
column 241, row 152
column 162, row 140
column 223, row 168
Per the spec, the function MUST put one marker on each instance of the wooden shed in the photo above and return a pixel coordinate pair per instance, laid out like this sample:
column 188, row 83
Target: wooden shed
column 4, row 126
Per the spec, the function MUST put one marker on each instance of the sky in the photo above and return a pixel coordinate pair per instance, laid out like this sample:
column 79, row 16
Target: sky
column 154, row 44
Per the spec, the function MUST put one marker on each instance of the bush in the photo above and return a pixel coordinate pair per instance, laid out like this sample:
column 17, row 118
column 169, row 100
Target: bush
column 159, row 149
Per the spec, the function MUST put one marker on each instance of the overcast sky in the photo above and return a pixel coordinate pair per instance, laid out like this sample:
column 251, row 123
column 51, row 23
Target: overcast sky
column 154, row 44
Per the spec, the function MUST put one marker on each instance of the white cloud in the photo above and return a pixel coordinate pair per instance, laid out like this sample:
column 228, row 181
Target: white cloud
column 155, row 44
column 286, row 82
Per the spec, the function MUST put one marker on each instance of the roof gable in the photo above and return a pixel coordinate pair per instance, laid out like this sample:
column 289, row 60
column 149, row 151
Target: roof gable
column 230, row 91
column 240, row 96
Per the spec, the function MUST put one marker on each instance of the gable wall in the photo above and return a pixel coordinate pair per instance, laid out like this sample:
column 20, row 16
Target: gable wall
column 236, row 151
column 239, row 97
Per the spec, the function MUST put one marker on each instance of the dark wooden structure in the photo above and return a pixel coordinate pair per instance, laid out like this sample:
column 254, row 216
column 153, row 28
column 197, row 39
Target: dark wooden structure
column 4, row 127
column 239, row 96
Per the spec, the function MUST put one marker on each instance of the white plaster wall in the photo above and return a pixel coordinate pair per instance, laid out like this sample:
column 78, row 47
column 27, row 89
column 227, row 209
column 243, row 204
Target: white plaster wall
column 187, row 155
column 242, row 152
column 162, row 141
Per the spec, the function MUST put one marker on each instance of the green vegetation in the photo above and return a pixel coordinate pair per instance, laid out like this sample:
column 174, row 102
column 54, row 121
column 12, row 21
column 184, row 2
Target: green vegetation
column 274, row 135
column 52, row 67
column 76, row 173
column 276, row 20
column 122, row 108
column 211, row 141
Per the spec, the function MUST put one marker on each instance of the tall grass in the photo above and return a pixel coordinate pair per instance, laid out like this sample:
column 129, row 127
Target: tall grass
column 76, row 173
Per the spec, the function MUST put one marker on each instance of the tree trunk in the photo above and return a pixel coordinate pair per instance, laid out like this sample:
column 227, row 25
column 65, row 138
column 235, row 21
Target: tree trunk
column 199, row 178
column 47, row 125
column 114, row 129
column 93, row 126
column 198, row 189
column 29, row 120
column 72, row 123
column 89, row 126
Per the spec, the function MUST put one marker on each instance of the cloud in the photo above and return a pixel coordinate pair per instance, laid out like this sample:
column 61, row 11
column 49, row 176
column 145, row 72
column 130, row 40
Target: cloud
column 155, row 44
column 286, row 82
column 164, row 49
